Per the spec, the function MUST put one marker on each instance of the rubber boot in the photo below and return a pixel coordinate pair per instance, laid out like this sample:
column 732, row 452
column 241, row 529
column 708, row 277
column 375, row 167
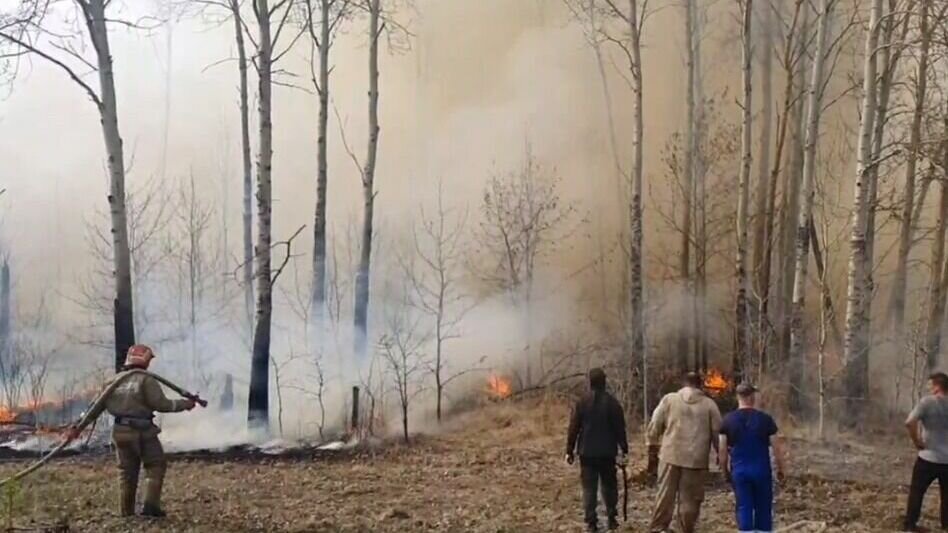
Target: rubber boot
column 128, row 499
column 153, row 482
column 152, row 511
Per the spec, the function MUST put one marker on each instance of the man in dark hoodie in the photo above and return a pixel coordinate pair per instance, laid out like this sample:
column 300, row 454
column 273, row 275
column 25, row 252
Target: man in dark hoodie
column 597, row 433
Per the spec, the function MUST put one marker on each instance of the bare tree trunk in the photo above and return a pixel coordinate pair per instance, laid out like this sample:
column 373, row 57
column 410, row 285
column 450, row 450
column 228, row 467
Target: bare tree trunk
column 368, row 189
column 938, row 284
column 807, row 191
column 5, row 316
column 123, row 309
column 319, row 224
column 827, row 309
column 701, row 212
column 636, row 255
column 792, row 62
column 684, row 261
column 258, row 402
column 742, row 322
column 246, row 162
column 859, row 293
column 899, row 281
column 763, row 216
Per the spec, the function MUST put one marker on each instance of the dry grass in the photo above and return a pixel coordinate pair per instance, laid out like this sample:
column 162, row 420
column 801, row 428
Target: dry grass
column 496, row 470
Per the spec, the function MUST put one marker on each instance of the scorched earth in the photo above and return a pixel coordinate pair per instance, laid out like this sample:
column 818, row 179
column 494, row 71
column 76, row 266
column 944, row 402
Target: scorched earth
column 499, row 469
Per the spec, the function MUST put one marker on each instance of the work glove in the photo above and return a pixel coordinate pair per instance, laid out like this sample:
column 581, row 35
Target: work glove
column 570, row 458
column 189, row 404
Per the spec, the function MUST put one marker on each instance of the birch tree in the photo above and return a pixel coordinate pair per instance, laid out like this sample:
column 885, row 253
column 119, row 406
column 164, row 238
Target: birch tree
column 245, row 159
column 899, row 280
column 361, row 306
column 34, row 28
column 742, row 323
column 807, row 190
column 766, row 182
column 938, row 284
column 688, row 187
column 323, row 20
column 234, row 10
column 621, row 26
column 636, row 253
column 859, row 294
column 788, row 152
column 271, row 22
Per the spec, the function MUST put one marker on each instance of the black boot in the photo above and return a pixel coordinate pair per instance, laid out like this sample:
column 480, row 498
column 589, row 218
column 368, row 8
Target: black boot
column 613, row 523
column 152, row 511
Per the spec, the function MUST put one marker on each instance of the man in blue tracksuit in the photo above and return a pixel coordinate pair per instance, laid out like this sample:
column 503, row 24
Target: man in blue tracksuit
column 744, row 453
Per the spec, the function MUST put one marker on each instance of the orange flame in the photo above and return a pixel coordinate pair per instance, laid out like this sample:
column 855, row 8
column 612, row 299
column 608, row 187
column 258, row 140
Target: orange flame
column 498, row 388
column 12, row 415
column 715, row 382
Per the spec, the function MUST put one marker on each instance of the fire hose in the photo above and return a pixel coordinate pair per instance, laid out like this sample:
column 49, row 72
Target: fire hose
column 87, row 418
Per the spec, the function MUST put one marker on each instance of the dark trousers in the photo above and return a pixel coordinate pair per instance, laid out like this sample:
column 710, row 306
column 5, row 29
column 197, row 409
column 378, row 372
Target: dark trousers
column 922, row 476
column 594, row 471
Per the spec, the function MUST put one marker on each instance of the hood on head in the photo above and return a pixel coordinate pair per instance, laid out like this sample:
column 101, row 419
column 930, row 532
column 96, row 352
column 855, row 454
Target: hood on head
column 691, row 394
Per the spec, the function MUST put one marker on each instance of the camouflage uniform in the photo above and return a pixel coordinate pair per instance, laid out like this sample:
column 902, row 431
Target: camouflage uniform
column 133, row 404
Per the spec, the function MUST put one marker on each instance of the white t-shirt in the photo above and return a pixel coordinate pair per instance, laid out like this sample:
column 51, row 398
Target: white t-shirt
column 932, row 413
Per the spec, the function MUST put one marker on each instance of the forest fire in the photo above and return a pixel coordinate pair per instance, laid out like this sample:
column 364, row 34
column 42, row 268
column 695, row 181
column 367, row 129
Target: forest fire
column 45, row 415
column 716, row 383
column 498, row 388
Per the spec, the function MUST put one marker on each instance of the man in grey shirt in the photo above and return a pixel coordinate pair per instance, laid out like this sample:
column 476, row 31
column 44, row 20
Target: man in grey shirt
column 928, row 428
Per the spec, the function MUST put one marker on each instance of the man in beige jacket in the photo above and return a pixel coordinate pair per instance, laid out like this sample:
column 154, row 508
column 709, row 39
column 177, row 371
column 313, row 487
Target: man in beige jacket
column 681, row 435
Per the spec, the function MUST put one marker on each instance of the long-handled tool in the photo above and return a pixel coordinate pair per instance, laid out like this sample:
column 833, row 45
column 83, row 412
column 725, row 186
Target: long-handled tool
column 625, row 494
column 87, row 419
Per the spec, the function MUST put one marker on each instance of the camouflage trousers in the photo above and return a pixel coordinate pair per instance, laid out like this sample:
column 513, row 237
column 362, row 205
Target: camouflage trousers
column 136, row 450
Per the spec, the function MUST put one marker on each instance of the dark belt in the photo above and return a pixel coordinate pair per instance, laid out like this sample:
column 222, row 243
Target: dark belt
column 133, row 421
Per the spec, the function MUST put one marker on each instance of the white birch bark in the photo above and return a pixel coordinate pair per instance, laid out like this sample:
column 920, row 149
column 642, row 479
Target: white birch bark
column 742, row 322
column 361, row 310
column 636, row 255
column 900, row 279
column 856, row 349
column 96, row 21
column 259, row 398
column 805, row 203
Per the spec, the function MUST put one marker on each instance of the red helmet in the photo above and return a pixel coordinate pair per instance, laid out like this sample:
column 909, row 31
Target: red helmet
column 139, row 355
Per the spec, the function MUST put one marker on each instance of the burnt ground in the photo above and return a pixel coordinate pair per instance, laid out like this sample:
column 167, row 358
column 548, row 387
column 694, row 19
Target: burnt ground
column 497, row 470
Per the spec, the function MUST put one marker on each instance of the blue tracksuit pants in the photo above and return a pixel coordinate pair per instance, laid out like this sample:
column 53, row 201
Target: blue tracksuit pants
column 753, row 489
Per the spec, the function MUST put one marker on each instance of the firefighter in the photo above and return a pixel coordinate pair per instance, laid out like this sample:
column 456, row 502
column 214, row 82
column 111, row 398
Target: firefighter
column 597, row 431
column 133, row 405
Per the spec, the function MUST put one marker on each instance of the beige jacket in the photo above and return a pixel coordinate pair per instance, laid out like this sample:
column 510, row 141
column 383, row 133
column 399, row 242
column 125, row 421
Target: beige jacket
column 685, row 424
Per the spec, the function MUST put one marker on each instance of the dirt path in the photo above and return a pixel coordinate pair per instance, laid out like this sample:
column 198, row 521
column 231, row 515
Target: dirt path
column 497, row 471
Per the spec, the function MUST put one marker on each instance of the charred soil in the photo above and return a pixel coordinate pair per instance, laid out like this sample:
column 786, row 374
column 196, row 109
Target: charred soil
column 497, row 470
